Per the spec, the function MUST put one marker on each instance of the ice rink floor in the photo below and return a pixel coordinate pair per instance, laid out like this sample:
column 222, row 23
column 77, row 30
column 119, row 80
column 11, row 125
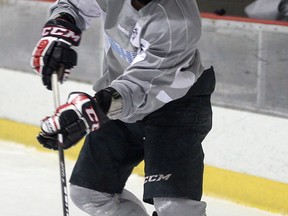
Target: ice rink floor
column 30, row 186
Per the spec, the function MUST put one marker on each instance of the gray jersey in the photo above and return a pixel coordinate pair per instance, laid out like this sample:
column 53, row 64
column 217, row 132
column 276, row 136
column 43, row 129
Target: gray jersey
column 151, row 55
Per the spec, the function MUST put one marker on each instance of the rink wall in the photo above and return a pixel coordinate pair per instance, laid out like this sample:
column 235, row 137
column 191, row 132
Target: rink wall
column 249, row 56
column 246, row 153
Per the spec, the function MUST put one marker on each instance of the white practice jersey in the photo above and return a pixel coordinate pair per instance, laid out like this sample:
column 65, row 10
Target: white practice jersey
column 151, row 55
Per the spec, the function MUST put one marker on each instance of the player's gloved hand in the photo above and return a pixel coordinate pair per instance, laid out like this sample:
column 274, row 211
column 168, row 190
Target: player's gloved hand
column 80, row 115
column 55, row 50
column 283, row 10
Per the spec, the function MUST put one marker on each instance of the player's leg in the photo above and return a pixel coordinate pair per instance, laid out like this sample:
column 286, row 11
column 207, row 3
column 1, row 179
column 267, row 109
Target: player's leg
column 99, row 203
column 106, row 160
column 174, row 172
column 168, row 206
column 174, row 158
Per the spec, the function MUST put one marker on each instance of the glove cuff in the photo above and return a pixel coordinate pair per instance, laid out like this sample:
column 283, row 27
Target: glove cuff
column 63, row 29
column 144, row 1
column 67, row 17
column 110, row 101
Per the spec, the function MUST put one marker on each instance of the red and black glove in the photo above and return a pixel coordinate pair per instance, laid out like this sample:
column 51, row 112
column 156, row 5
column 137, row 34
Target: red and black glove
column 54, row 51
column 80, row 115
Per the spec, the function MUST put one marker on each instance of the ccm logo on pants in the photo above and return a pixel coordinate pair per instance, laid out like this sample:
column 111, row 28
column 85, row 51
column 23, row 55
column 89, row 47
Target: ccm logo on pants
column 157, row 178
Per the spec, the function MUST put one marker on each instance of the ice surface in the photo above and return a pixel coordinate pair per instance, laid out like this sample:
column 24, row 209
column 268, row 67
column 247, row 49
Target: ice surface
column 30, row 186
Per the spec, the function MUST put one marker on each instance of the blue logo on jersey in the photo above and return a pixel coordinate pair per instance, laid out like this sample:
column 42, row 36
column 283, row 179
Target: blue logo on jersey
column 128, row 56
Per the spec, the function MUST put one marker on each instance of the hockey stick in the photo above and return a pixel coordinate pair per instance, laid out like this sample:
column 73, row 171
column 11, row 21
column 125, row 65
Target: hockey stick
column 56, row 95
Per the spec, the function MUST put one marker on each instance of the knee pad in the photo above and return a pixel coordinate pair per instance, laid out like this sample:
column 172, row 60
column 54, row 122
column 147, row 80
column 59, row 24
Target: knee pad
column 97, row 203
column 169, row 206
column 93, row 202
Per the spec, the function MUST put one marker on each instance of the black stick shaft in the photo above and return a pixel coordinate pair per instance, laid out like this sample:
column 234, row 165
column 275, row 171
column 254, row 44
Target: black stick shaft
column 56, row 94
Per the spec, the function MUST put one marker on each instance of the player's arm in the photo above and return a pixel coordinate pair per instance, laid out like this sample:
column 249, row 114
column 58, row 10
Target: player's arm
column 82, row 11
column 167, row 65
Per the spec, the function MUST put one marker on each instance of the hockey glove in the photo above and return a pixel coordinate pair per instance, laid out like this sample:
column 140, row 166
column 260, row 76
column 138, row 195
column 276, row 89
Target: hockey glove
column 80, row 115
column 55, row 50
column 283, row 10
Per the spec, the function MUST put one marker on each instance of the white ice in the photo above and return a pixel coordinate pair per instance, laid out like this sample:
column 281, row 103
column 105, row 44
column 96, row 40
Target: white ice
column 30, row 186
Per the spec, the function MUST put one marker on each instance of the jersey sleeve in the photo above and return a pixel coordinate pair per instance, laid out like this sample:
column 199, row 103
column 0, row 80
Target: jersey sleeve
column 82, row 10
column 165, row 68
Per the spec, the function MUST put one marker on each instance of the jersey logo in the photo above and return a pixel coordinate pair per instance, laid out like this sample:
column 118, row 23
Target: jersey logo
column 135, row 37
column 126, row 55
column 123, row 30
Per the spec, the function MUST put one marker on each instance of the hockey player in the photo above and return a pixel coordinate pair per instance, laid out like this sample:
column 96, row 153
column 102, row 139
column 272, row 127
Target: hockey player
column 155, row 93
